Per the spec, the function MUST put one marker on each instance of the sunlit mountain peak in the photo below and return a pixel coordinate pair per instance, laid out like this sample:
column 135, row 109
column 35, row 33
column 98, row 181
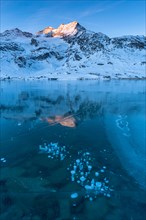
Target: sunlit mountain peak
column 71, row 28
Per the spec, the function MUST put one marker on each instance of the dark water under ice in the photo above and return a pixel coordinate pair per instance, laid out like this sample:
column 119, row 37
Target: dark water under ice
column 101, row 124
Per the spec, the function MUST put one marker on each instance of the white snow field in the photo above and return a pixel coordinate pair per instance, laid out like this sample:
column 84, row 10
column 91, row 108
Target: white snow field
column 71, row 52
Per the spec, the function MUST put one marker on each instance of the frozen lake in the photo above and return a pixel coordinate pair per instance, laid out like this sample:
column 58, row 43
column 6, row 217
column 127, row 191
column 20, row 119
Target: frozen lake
column 97, row 169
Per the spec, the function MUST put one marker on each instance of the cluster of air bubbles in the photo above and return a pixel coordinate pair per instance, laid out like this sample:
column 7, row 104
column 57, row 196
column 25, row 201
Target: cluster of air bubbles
column 3, row 160
column 53, row 150
column 83, row 173
column 83, row 170
column 123, row 124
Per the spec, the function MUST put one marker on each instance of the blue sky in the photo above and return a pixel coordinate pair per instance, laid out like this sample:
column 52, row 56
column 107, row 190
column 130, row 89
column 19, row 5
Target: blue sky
column 114, row 17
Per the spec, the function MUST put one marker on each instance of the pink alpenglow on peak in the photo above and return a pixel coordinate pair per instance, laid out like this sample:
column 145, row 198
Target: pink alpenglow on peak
column 63, row 30
column 45, row 31
column 67, row 29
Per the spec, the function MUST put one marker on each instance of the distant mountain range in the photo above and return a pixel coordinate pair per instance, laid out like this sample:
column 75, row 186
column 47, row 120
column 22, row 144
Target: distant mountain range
column 71, row 52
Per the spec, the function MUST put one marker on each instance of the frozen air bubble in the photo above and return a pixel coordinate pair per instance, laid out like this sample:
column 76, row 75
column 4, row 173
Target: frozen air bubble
column 91, row 199
column 77, row 161
column 102, row 171
column 108, row 195
column 88, row 187
column 98, row 184
column 72, row 172
column 82, row 178
column 89, row 167
column 96, row 174
column 74, row 195
column 2, row 158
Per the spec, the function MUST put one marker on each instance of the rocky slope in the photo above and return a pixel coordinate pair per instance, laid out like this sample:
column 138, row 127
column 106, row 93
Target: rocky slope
column 71, row 52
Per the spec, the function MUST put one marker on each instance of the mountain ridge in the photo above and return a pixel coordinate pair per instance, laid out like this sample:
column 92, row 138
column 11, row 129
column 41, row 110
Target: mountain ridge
column 48, row 29
column 71, row 51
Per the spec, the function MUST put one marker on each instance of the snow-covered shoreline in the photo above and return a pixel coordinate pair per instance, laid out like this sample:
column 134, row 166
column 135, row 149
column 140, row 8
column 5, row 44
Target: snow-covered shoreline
column 65, row 78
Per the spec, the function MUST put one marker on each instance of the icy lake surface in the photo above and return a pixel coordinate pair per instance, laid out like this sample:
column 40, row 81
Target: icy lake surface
column 73, row 150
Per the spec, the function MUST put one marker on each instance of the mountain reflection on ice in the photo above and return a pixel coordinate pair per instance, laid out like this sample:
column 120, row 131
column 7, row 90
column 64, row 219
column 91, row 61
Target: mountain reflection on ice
column 68, row 121
column 100, row 123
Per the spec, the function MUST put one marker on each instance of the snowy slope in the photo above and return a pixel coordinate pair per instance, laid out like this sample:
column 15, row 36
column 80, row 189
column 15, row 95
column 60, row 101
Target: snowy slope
column 71, row 52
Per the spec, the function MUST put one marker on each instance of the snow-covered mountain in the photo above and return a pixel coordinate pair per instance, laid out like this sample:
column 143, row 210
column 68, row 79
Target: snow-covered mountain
column 71, row 52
